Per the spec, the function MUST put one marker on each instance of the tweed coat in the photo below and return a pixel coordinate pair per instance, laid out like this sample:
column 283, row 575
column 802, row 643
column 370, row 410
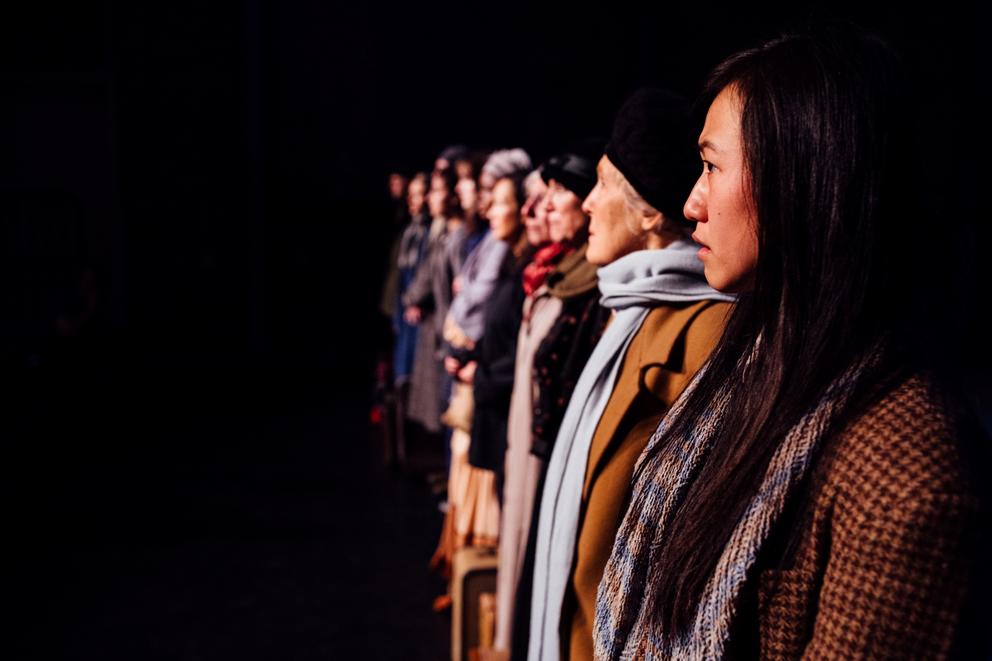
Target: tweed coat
column 878, row 565
column 431, row 292
column 875, row 555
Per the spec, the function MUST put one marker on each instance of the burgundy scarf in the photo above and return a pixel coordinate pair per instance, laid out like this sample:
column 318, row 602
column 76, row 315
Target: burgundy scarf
column 542, row 264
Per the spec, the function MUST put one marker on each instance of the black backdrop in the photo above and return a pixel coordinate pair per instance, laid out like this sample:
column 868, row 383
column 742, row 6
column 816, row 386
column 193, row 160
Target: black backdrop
column 192, row 235
column 201, row 183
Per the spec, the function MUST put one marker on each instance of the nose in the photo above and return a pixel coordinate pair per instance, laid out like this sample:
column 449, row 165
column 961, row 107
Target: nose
column 527, row 210
column 695, row 205
column 587, row 203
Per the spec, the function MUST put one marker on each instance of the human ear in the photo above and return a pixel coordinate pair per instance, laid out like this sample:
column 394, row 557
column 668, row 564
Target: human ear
column 652, row 222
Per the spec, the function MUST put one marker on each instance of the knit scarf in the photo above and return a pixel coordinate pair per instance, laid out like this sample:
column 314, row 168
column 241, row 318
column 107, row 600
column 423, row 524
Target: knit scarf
column 542, row 264
column 625, row 626
column 631, row 286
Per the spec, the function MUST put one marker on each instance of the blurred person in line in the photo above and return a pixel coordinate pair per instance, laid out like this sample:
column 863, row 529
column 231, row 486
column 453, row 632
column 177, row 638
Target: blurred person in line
column 465, row 231
column 411, row 252
column 497, row 165
column 475, row 281
column 386, row 336
column 559, row 361
column 474, row 227
column 665, row 322
column 489, row 365
column 522, row 469
column 472, row 515
column 426, row 303
column 450, row 156
column 571, row 305
column 468, row 164
column 817, row 491
column 398, row 183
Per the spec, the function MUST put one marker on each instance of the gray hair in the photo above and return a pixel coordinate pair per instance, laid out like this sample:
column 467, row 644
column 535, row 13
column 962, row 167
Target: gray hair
column 641, row 206
column 507, row 163
column 533, row 182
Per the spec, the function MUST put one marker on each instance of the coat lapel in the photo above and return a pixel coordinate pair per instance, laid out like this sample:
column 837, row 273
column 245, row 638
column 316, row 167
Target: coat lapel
column 656, row 351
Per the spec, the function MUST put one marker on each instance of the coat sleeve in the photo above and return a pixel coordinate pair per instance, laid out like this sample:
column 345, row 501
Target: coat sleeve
column 896, row 578
column 497, row 381
column 420, row 291
column 476, row 292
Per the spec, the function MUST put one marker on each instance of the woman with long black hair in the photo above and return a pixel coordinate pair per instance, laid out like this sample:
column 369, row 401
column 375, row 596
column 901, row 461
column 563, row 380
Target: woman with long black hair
column 812, row 492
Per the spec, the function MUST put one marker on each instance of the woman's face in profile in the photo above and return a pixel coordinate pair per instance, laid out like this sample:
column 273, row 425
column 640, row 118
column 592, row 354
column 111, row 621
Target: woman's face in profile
column 415, row 195
column 614, row 227
column 726, row 224
column 535, row 215
column 467, row 195
column 437, row 199
column 485, row 198
column 504, row 213
column 565, row 216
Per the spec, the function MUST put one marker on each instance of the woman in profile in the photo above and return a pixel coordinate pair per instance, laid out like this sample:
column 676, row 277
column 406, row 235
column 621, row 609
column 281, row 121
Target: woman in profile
column 811, row 494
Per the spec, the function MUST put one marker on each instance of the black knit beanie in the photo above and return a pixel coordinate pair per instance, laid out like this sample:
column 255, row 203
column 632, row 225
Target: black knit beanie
column 575, row 167
column 654, row 147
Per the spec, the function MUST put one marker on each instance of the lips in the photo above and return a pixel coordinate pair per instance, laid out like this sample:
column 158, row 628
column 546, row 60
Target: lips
column 704, row 250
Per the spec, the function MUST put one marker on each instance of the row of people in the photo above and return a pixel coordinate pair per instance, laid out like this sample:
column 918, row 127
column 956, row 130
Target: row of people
column 690, row 393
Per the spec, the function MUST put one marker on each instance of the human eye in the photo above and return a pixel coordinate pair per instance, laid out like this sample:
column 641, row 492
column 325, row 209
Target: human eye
column 708, row 167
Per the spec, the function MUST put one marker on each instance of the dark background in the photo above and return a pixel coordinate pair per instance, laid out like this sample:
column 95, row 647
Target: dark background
column 194, row 231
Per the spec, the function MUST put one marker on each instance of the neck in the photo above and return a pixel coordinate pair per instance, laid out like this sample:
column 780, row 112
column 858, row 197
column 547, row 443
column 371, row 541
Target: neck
column 518, row 242
column 657, row 241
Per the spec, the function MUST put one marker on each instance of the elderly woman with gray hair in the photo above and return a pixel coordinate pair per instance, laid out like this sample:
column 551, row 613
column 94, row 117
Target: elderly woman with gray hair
column 666, row 320
column 478, row 274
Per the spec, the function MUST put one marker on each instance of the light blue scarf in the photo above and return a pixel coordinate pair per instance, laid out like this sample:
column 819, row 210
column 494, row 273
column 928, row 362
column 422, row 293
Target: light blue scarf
column 631, row 286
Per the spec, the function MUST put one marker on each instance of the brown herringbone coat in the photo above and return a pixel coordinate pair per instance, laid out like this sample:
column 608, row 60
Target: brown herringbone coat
column 881, row 553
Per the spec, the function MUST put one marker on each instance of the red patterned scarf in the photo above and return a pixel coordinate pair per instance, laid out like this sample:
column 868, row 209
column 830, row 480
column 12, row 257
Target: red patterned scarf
column 542, row 264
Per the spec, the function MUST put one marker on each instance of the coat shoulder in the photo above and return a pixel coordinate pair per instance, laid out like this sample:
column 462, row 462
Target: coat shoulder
column 683, row 336
column 906, row 443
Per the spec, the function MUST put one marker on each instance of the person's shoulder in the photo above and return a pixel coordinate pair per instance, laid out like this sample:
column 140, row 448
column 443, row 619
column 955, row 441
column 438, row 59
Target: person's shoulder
column 907, row 440
column 711, row 318
column 700, row 319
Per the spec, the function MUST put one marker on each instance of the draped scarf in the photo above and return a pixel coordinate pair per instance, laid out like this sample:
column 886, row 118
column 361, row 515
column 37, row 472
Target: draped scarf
column 542, row 264
column 625, row 625
column 631, row 286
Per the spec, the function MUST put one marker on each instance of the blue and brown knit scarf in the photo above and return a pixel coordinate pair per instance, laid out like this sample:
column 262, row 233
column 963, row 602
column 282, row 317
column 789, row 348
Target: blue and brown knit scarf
column 625, row 627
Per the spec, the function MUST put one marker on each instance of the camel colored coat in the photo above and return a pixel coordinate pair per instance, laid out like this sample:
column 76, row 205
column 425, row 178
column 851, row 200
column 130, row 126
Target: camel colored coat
column 672, row 344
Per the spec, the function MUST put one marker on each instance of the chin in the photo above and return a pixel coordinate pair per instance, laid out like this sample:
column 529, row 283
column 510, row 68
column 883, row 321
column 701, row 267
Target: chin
column 595, row 258
column 714, row 280
column 726, row 285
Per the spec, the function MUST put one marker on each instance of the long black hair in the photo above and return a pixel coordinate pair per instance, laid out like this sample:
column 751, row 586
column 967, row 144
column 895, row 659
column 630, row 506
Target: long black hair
column 819, row 129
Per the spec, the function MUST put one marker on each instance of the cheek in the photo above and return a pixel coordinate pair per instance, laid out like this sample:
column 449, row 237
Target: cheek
column 576, row 217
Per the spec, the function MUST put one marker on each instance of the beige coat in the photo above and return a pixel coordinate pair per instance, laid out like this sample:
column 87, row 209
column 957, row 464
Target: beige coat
column 522, row 468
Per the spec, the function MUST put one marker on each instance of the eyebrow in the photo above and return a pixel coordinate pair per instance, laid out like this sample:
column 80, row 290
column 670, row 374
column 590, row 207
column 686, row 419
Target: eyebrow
column 706, row 144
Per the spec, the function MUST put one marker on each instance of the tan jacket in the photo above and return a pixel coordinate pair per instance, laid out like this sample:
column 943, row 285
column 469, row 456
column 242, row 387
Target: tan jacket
column 671, row 345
